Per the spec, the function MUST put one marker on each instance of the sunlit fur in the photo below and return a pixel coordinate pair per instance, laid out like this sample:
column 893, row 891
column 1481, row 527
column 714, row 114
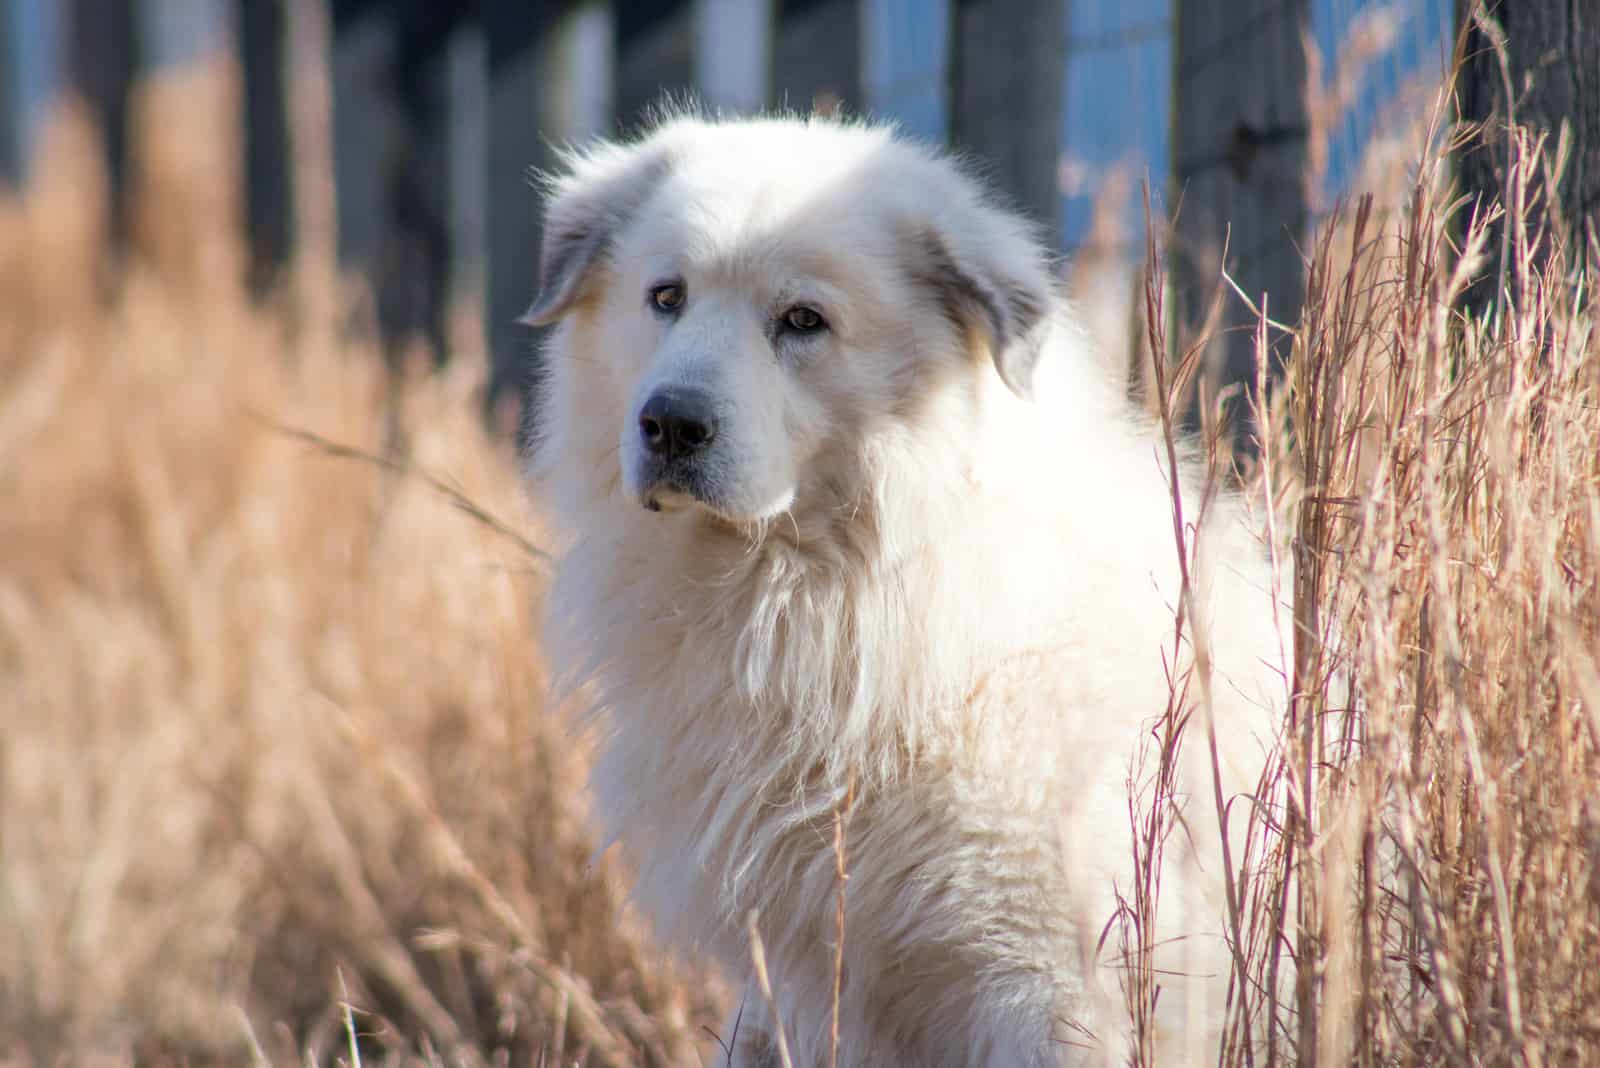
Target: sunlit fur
column 951, row 598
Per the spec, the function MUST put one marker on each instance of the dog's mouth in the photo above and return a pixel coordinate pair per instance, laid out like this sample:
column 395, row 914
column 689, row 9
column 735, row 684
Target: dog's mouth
column 681, row 488
column 666, row 498
column 674, row 488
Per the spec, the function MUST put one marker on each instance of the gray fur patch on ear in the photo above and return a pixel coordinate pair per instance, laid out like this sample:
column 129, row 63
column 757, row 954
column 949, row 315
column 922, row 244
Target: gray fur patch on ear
column 581, row 223
column 564, row 266
column 979, row 297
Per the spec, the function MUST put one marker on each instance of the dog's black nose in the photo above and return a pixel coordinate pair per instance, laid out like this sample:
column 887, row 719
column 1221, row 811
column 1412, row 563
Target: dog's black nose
column 676, row 422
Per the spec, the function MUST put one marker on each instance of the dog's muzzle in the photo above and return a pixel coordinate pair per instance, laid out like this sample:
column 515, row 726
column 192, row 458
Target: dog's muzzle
column 677, row 426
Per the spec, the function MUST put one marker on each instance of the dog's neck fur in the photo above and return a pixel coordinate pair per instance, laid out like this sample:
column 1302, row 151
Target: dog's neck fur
column 848, row 568
column 748, row 652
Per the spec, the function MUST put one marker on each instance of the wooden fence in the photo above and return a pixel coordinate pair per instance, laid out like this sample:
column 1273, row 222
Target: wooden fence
column 440, row 109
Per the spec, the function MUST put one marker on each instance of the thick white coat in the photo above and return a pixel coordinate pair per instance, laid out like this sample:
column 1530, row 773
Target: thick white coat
column 921, row 590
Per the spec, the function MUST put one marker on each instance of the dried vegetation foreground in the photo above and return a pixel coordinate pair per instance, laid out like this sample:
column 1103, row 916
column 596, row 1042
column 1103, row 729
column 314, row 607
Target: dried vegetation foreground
column 271, row 732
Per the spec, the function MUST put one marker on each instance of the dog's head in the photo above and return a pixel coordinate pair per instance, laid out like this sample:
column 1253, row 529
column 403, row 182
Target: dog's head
column 740, row 300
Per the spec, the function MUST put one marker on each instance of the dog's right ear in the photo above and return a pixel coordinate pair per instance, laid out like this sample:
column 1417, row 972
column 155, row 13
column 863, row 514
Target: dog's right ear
column 1000, row 287
column 602, row 189
column 989, row 273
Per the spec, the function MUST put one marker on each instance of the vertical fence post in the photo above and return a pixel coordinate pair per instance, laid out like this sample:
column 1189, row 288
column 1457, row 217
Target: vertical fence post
column 103, row 58
column 391, row 135
column 1009, row 70
column 262, row 29
column 362, row 45
column 1239, row 150
column 13, row 117
column 733, row 53
column 517, row 79
column 417, row 263
column 655, row 56
column 905, row 64
column 466, row 156
column 550, row 85
column 816, row 59
column 1553, row 57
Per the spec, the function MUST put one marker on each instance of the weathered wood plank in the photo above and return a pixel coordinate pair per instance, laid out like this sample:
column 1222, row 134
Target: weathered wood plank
column 1239, row 174
column 550, row 84
column 816, row 57
column 733, row 42
column 655, row 56
column 1009, row 69
column 102, row 62
column 262, row 29
column 391, row 139
column 906, row 64
column 1552, row 50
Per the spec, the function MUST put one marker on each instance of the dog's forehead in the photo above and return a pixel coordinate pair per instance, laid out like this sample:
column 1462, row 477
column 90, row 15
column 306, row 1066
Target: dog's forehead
column 727, row 203
column 750, row 203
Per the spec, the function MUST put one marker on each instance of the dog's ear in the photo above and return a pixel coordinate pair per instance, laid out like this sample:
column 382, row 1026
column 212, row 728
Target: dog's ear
column 600, row 191
column 993, row 279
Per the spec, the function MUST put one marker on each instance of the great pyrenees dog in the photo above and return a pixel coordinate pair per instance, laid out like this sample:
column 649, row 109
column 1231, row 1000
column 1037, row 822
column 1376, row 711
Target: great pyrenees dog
column 852, row 527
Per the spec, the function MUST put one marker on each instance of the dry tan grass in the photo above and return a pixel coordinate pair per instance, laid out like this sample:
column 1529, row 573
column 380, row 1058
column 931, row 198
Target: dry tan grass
column 271, row 732
column 271, row 739
column 1446, row 555
column 1423, row 880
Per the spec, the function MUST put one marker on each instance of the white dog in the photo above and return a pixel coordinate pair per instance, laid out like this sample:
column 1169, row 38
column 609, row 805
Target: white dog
column 852, row 521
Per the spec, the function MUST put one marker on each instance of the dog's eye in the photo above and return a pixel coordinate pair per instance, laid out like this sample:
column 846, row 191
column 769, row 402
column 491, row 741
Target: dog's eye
column 667, row 297
column 804, row 320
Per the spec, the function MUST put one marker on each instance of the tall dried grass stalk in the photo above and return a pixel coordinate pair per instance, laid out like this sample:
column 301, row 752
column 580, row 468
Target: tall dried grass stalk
column 1433, row 482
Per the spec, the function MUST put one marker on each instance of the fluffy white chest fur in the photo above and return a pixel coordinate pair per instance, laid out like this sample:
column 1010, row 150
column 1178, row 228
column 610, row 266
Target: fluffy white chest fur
column 953, row 631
